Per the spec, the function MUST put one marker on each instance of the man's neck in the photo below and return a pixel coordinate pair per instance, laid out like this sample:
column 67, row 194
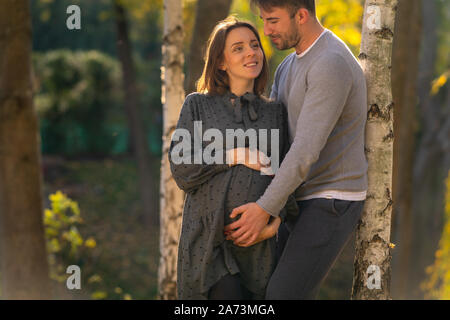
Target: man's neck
column 309, row 36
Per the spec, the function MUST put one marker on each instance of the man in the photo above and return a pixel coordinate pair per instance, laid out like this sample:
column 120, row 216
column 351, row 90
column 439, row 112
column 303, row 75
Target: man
column 324, row 89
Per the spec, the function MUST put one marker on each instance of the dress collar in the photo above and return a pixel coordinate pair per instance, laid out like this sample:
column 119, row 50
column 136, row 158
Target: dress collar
column 248, row 99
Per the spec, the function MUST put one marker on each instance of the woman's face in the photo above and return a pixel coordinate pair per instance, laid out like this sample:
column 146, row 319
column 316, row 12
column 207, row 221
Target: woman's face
column 243, row 56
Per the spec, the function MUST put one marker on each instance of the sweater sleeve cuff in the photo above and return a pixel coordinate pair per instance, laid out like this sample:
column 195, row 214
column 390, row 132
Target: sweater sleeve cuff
column 264, row 207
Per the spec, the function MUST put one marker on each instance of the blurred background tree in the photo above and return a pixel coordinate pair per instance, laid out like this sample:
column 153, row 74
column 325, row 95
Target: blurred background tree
column 23, row 262
column 437, row 284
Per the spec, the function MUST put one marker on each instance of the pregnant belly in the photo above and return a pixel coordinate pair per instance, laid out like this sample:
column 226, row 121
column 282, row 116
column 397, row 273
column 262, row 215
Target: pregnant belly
column 246, row 185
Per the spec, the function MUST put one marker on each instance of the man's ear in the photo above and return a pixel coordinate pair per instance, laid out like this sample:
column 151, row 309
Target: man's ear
column 302, row 16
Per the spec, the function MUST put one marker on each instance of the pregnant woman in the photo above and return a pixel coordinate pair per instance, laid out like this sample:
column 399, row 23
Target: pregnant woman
column 228, row 97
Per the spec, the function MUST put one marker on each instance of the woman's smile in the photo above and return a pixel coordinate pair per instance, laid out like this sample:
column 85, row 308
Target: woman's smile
column 251, row 64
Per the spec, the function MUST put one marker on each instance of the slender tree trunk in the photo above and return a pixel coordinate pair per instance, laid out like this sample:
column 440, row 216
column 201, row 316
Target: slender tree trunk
column 373, row 234
column 172, row 99
column 405, row 58
column 430, row 169
column 135, row 123
column 24, row 267
column 208, row 13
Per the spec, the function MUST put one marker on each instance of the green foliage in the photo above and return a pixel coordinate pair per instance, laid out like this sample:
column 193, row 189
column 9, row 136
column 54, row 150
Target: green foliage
column 443, row 49
column 65, row 245
column 77, row 101
column 98, row 32
column 123, row 264
column 98, row 26
column 437, row 286
column 50, row 31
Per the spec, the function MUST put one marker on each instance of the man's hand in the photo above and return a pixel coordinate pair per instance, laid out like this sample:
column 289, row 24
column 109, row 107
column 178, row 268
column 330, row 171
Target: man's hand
column 268, row 232
column 246, row 230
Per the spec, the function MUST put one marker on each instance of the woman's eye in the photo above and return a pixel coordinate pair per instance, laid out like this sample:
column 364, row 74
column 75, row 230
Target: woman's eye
column 255, row 45
column 237, row 49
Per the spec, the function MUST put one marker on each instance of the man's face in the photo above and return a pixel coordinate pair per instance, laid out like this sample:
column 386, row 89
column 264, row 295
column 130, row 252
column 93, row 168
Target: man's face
column 280, row 26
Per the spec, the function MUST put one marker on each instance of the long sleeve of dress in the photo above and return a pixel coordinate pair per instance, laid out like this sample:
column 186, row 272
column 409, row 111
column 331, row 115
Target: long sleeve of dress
column 187, row 174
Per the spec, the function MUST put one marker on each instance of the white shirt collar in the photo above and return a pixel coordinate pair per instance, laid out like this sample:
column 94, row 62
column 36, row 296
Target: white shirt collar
column 309, row 48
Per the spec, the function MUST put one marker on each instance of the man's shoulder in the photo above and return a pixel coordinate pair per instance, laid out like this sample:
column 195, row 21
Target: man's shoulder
column 286, row 62
column 337, row 52
column 339, row 61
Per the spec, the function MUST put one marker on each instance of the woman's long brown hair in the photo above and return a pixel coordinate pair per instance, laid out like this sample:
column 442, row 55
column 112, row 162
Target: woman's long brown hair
column 214, row 81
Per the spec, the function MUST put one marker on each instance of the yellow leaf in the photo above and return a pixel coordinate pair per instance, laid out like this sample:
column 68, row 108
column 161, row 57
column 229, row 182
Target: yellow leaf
column 95, row 278
column 90, row 243
column 438, row 83
column 126, row 296
column 97, row 295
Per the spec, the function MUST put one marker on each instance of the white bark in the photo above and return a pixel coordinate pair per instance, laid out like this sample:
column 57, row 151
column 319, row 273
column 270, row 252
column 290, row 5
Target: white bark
column 373, row 235
column 172, row 98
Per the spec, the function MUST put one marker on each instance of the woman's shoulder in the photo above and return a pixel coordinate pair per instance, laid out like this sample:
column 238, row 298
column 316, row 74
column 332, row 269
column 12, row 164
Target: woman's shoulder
column 194, row 97
column 199, row 96
column 200, row 104
column 200, row 100
column 191, row 101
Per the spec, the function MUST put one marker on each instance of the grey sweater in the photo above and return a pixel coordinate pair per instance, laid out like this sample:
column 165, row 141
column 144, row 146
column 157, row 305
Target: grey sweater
column 326, row 98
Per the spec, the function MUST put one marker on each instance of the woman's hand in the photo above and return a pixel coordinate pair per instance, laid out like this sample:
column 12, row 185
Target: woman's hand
column 251, row 158
column 269, row 231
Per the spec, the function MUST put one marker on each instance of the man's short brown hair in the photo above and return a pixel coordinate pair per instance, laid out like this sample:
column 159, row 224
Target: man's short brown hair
column 291, row 5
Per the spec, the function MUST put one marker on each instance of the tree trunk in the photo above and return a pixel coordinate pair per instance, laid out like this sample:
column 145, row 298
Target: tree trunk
column 24, row 267
column 172, row 99
column 208, row 13
column 430, row 168
column 135, row 123
column 373, row 234
column 405, row 58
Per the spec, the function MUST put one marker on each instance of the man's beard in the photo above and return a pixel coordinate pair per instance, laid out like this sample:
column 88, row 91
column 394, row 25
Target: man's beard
column 290, row 40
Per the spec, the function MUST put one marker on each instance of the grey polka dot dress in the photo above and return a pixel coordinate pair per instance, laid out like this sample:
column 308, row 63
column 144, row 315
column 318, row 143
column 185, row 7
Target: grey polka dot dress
column 214, row 190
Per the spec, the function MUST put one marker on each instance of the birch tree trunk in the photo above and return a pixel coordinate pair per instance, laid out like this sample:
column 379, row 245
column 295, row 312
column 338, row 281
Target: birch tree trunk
column 24, row 267
column 371, row 279
column 172, row 99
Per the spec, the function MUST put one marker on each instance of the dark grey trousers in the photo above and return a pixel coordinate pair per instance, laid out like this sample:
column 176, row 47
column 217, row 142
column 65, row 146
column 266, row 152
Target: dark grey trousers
column 309, row 249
